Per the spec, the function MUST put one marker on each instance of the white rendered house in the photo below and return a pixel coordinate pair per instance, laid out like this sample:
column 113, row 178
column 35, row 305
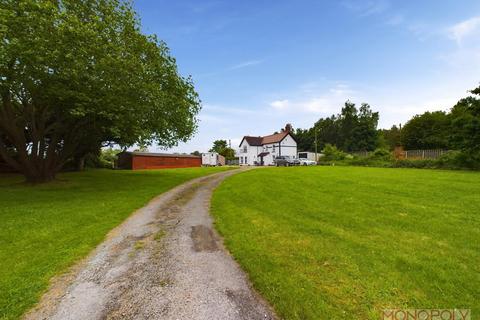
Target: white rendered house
column 263, row 150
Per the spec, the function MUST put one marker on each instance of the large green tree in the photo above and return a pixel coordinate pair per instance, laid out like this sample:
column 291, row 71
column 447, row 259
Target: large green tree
column 221, row 147
column 465, row 128
column 79, row 74
column 392, row 136
column 429, row 130
column 351, row 130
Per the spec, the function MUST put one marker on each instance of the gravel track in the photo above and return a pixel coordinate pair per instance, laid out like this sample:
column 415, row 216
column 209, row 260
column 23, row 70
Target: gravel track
column 165, row 262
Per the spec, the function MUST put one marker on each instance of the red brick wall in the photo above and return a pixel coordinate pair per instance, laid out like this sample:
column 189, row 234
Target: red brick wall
column 151, row 162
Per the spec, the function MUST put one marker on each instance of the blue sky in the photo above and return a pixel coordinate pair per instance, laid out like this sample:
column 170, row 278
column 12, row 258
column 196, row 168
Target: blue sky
column 260, row 64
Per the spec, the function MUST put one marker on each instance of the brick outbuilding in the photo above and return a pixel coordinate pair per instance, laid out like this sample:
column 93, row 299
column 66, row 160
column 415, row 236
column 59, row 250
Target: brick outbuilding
column 146, row 160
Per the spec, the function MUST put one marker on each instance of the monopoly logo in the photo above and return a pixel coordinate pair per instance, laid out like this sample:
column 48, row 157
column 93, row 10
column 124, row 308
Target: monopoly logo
column 426, row 314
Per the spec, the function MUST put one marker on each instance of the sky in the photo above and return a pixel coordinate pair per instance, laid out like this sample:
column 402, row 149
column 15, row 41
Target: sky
column 258, row 65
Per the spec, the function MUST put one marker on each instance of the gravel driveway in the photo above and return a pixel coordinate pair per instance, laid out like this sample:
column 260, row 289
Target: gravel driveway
column 165, row 262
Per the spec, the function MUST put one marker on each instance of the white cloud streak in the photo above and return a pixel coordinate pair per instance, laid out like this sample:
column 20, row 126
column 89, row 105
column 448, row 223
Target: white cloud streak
column 460, row 31
column 245, row 64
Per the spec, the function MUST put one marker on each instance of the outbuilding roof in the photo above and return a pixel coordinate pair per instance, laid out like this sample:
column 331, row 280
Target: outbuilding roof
column 155, row 154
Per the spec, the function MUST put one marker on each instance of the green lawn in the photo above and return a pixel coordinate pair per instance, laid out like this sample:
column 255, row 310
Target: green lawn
column 44, row 229
column 347, row 242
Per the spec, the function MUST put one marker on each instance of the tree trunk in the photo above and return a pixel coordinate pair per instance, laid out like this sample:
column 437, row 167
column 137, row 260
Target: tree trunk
column 80, row 163
column 40, row 177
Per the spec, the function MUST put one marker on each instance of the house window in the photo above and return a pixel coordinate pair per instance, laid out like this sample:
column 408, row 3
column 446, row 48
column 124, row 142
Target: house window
column 241, row 160
column 273, row 149
column 245, row 149
column 245, row 160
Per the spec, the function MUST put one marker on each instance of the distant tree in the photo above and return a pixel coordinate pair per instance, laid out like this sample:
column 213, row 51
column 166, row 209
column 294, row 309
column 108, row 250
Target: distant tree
column 305, row 139
column 430, row 130
column 196, row 153
column 392, row 137
column 79, row 75
column 465, row 124
column 365, row 135
column 351, row 130
column 221, row 147
column 348, row 121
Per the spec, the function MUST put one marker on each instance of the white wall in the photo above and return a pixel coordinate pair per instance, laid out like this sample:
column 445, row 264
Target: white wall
column 288, row 147
column 251, row 154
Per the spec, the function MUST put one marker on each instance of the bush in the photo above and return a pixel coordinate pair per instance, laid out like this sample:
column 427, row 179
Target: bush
column 332, row 153
column 105, row 159
column 381, row 153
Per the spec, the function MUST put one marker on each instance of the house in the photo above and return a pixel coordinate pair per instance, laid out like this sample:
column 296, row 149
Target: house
column 212, row 159
column 146, row 160
column 263, row 150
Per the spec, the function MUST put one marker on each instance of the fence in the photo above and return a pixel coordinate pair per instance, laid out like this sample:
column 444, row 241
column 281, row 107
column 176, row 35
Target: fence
column 408, row 154
column 424, row 154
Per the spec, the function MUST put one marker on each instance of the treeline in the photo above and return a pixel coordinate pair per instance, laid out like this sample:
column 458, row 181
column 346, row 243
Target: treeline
column 356, row 130
column 351, row 130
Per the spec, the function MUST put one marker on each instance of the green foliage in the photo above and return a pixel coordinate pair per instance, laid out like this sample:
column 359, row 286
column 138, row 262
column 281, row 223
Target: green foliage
column 382, row 154
column 318, row 250
column 427, row 131
column 108, row 157
column 351, row 130
column 78, row 75
column 330, row 152
column 221, row 147
column 465, row 117
column 45, row 229
column 196, row 153
column 390, row 138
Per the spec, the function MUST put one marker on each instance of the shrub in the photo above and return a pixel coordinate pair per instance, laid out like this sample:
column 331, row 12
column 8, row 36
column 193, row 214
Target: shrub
column 332, row 153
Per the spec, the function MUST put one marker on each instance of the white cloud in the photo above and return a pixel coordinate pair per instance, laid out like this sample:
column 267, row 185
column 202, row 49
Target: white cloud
column 464, row 29
column 279, row 104
column 320, row 101
column 245, row 64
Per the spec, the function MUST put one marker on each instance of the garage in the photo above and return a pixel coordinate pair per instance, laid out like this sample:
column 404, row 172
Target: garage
column 146, row 160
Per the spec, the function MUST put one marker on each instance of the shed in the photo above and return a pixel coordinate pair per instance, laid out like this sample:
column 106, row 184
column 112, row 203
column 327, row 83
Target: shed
column 147, row 160
column 212, row 159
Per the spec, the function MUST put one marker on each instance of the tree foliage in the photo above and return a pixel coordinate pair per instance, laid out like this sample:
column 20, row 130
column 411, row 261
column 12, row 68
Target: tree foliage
column 392, row 137
column 221, row 147
column 77, row 75
column 429, row 130
column 351, row 130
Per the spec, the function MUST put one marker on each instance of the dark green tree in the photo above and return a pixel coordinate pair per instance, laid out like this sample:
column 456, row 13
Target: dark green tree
column 392, row 136
column 78, row 75
column 348, row 122
column 430, row 130
column 365, row 134
column 351, row 130
column 465, row 124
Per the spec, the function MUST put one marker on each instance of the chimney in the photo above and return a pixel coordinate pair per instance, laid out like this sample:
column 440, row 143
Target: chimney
column 288, row 127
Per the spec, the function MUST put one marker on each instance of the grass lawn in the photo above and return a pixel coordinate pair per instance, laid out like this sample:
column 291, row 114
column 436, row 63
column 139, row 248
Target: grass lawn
column 44, row 229
column 348, row 242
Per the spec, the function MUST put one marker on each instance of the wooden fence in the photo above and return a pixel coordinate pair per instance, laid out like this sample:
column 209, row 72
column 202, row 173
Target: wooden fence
column 409, row 154
column 424, row 154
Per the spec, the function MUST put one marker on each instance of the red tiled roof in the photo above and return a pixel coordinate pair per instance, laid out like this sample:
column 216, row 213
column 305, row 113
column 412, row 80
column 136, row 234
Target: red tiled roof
column 253, row 141
column 273, row 138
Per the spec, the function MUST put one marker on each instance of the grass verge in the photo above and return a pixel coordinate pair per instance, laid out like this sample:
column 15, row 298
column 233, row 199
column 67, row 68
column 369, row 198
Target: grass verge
column 44, row 229
column 348, row 242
